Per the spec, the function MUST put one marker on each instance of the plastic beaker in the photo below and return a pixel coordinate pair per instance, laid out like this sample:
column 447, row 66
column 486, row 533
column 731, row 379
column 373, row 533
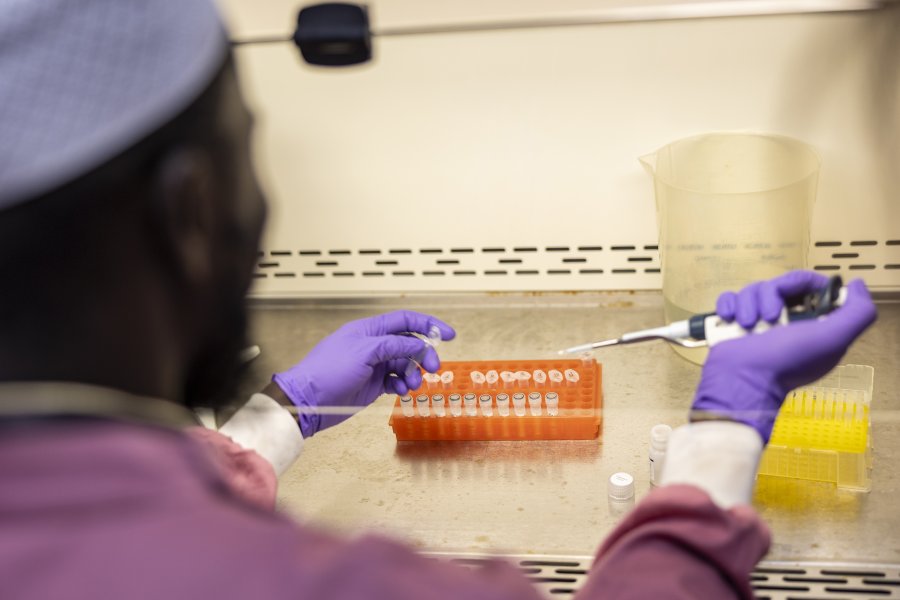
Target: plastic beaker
column 732, row 208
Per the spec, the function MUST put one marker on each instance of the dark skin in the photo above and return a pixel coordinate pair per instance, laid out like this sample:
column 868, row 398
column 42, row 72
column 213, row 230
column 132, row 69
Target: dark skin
column 134, row 276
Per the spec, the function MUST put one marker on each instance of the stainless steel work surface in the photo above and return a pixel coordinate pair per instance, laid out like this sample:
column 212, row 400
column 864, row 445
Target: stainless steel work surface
column 550, row 497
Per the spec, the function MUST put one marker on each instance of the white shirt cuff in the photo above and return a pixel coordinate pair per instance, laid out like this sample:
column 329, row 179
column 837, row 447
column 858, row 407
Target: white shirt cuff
column 265, row 426
column 719, row 457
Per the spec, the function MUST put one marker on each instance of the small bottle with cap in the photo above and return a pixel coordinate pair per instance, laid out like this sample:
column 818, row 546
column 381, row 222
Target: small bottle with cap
column 491, row 378
column 508, row 378
column 555, row 376
column 620, row 490
column 539, row 377
column 522, row 378
column 572, row 377
column 659, row 442
column 447, row 379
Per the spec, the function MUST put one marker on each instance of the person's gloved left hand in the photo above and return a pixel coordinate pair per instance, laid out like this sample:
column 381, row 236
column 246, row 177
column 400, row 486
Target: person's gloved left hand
column 359, row 362
column 746, row 379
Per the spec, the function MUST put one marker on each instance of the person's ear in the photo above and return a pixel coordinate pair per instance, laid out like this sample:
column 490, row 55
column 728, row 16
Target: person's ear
column 185, row 218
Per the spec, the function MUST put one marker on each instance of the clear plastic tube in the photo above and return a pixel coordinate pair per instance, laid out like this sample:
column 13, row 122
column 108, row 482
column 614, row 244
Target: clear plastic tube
column 422, row 405
column 447, row 379
column 455, row 405
column 540, row 378
column 508, row 378
column 437, row 405
column 519, row 404
column 572, row 377
column 432, row 380
column 522, row 379
column 503, row 404
column 555, row 377
column 492, row 377
column 406, row 405
column 534, row 402
column 477, row 378
column 487, row 408
column 469, row 400
column 552, row 399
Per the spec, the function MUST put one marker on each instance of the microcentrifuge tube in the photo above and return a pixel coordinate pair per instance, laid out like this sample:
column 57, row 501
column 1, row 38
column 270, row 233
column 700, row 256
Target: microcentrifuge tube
column 455, row 404
column 503, row 404
column 422, row 405
column 437, row 405
column 572, row 377
column 587, row 359
column 406, row 404
column 552, row 399
column 434, row 336
column 540, row 377
column 555, row 377
column 447, row 379
column 469, row 400
column 534, row 402
column 519, row 404
column 432, row 380
column 477, row 378
column 508, row 378
column 522, row 378
column 486, row 408
column 491, row 377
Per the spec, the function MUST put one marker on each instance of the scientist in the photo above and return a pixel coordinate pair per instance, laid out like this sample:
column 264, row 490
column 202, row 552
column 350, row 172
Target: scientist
column 129, row 222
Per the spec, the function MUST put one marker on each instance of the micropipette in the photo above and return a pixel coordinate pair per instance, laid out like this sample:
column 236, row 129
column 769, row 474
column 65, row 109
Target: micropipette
column 709, row 329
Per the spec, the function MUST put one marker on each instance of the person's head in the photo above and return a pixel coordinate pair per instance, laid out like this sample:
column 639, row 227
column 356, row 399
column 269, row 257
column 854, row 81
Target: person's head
column 129, row 220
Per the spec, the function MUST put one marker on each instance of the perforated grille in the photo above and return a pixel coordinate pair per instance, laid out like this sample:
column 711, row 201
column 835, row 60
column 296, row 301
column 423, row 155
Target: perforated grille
column 562, row 576
column 525, row 267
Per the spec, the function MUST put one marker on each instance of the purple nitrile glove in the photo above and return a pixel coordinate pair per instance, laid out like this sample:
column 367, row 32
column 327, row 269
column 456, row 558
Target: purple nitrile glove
column 746, row 379
column 359, row 362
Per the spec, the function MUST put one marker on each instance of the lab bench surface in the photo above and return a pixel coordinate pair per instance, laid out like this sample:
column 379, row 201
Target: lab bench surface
column 550, row 497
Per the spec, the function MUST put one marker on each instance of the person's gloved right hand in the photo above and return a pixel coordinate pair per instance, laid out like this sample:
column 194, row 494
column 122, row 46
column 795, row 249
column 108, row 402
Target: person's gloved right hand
column 359, row 362
column 747, row 379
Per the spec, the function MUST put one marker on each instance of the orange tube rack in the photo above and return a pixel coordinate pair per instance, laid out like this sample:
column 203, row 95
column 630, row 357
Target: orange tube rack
column 578, row 416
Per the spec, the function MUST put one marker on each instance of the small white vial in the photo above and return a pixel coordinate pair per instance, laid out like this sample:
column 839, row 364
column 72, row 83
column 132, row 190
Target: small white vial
column 503, row 404
column 437, row 405
column 519, row 404
column 552, row 399
column 555, row 377
column 477, row 378
column 572, row 377
column 534, row 402
column 469, row 401
column 522, row 379
column 455, row 405
column 620, row 490
column 432, row 380
column 492, row 377
column 508, row 378
column 620, row 486
column 487, row 408
column 659, row 442
column 540, row 378
column 406, row 405
column 447, row 379
column 422, row 405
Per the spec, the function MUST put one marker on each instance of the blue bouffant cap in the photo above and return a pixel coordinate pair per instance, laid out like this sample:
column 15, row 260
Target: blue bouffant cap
column 81, row 81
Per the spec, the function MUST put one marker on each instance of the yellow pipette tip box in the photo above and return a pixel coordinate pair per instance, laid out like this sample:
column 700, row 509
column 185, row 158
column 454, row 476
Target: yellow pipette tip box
column 822, row 431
